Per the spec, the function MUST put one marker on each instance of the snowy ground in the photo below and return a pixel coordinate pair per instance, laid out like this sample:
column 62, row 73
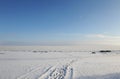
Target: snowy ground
column 59, row 65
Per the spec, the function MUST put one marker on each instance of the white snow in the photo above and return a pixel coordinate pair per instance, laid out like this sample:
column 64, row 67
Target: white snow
column 59, row 65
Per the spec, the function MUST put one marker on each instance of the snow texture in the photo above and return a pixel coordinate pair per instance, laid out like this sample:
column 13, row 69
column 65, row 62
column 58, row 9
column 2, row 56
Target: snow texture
column 59, row 65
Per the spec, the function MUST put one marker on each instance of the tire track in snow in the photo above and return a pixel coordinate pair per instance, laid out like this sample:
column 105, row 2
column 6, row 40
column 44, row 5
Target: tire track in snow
column 59, row 72
column 46, row 74
column 33, row 74
column 55, row 72
column 69, row 74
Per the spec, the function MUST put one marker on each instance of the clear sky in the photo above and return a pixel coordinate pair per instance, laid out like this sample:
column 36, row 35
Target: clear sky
column 59, row 22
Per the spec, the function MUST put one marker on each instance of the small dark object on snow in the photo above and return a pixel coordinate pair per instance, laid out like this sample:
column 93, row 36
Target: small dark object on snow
column 93, row 52
column 105, row 51
column 45, row 51
column 35, row 51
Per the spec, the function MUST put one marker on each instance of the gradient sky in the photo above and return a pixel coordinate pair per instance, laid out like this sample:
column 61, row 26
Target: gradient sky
column 59, row 22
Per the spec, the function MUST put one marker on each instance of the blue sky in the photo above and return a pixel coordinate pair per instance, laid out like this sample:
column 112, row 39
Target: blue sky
column 59, row 22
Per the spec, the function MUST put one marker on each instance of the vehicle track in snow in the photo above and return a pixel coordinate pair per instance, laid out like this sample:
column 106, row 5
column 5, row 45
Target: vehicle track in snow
column 59, row 71
column 35, row 73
